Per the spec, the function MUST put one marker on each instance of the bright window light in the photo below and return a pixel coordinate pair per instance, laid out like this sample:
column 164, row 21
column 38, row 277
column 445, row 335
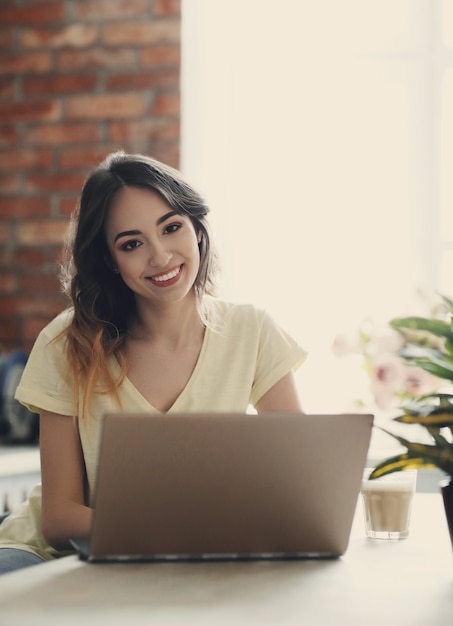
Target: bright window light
column 309, row 127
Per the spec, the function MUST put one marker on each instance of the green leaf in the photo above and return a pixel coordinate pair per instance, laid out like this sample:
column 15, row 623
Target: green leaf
column 441, row 457
column 415, row 351
column 439, row 439
column 440, row 420
column 448, row 345
column 398, row 463
column 448, row 302
column 436, row 327
column 429, row 359
column 434, row 411
column 434, row 369
column 429, row 404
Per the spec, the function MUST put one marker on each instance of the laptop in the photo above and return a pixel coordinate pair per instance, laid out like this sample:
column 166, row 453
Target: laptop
column 226, row 486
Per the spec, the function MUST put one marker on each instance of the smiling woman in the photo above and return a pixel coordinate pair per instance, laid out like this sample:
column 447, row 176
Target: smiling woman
column 144, row 331
column 161, row 250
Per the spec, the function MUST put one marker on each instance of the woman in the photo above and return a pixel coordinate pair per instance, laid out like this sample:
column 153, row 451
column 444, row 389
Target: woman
column 144, row 332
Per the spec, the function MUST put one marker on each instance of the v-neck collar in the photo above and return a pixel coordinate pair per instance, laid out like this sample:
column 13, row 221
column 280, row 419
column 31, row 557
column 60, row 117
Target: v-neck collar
column 129, row 386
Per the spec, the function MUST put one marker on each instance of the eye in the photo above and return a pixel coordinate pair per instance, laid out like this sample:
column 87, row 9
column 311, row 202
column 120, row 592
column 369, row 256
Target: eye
column 172, row 228
column 132, row 244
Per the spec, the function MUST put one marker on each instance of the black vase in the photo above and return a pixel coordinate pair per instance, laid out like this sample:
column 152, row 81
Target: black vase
column 446, row 487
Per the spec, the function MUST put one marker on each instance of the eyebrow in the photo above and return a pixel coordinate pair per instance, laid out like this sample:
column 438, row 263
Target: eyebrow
column 162, row 219
column 128, row 233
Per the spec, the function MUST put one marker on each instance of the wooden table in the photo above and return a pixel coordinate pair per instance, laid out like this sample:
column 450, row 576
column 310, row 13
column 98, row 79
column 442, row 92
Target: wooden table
column 401, row 583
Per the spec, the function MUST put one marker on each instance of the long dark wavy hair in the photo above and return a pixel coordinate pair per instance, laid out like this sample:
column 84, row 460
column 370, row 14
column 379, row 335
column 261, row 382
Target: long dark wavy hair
column 103, row 305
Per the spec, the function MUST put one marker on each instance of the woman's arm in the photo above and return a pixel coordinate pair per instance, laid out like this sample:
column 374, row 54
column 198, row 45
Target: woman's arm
column 281, row 397
column 64, row 514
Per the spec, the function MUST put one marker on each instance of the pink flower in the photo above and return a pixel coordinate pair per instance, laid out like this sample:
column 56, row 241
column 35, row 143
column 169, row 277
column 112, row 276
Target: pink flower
column 420, row 382
column 388, row 378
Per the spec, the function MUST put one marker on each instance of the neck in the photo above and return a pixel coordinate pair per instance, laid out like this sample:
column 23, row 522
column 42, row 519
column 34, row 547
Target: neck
column 169, row 326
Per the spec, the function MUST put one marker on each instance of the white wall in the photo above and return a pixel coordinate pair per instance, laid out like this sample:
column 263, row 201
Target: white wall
column 313, row 131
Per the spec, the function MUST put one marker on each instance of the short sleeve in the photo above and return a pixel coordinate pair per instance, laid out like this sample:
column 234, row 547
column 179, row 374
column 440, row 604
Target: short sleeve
column 278, row 354
column 44, row 384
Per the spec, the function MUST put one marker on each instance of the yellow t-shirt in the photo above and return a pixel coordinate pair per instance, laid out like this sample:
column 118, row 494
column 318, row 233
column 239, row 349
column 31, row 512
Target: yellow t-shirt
column 244, row 353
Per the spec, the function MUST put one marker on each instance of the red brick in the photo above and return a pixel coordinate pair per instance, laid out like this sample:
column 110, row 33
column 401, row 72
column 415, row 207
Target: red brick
column 161, row 55
column 61, row 134
column 166, row 104
column 67, row 206
column 166, row 7
column 24, row 207
column 32, row 326
column 148, row 130
column 109, row 9
column 5, row 255
column 51, row 62
column 30, row 329
column 30, row 111
column 20, row 63
column 36, row 232
column 6, row 38
column 5, row 231
column 42, row 258
column 165, row 152
column 9, row 332
column 11, row 340
column 30, row 159
column 8, row 136
column 54, row 183
column 29, row 306
column 96, row 58
column 106, row 106
column 13, row 3
column 27, row 257
column 7, row 282
column 42, row 13
column 59, row 84
column 6, row 88
column 82, row 158
column 142, row 33
column 41, row 283
column 74, row 35
column 9, row 183
column 156, row 79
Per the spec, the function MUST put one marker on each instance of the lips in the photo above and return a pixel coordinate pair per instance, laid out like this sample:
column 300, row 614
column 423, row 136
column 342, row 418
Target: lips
column 165, row 279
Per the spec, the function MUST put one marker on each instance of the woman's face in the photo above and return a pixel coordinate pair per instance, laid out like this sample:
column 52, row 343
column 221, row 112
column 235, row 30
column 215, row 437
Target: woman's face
column 154, row 248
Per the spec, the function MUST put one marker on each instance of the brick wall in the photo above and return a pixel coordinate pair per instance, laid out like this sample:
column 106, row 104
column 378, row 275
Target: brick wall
column 78, row 79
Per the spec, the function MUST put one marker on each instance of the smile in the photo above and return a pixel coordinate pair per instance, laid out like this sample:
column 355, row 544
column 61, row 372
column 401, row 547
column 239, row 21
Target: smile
column 168, row 276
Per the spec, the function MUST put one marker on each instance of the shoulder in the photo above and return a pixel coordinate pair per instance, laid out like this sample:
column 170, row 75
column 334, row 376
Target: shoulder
column 56, row 328
column 220, row 312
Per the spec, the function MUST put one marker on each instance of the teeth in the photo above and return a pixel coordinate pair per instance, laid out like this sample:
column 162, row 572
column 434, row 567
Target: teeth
column 163, row 277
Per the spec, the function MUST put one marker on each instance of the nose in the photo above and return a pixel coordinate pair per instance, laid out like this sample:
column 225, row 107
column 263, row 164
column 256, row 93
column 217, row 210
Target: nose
column 159, row 255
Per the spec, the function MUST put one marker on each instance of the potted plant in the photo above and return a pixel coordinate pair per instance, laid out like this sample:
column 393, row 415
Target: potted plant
column 428, row 344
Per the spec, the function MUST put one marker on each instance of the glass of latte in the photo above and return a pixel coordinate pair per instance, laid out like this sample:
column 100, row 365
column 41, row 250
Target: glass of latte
column 387, row 503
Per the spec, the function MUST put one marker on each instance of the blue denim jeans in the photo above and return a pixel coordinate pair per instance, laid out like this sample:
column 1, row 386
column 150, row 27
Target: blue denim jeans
column 12, row 559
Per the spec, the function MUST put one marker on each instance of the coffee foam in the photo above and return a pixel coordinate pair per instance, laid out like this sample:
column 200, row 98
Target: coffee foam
column 378, row 485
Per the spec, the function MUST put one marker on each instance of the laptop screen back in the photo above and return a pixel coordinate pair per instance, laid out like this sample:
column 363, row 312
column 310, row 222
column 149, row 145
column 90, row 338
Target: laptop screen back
column 227, row 485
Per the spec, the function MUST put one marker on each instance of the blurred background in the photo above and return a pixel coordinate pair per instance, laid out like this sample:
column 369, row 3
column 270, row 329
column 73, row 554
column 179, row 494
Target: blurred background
column 320, row 132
